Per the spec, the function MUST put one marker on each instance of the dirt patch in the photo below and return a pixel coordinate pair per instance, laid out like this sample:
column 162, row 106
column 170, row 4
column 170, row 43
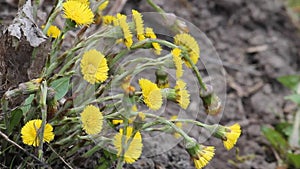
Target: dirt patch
column 257, row 42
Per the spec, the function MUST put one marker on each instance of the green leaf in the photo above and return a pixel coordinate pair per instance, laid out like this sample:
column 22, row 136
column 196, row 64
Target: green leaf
column 15, row 119
column 276, row 140
column 294, row 159
column 91, row 151
column 294, row 98
column 27, row 103
column 284, row 128
column 290, row 81
column 61, row 87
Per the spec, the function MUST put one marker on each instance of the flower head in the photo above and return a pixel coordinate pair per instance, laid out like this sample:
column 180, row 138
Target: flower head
column 30, row 133
column 150, row 34
column 182, row 95
column 53, row 31
column 232, row 134
column 108, row 19
column 178, row 62
column 94, row 67
column 134, row 145
column 78, row 12
column 139, row 25
column 125, row 28
column 92, row 119
column 190, row 44
column 116, row 122
column 151, row 93
column 200, row 154
column 204, row 155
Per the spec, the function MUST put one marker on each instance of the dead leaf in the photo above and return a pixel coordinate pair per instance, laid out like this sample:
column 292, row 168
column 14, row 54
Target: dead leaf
column 25, row 24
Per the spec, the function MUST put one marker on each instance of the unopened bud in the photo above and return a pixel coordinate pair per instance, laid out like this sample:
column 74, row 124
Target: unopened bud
column 162, row 79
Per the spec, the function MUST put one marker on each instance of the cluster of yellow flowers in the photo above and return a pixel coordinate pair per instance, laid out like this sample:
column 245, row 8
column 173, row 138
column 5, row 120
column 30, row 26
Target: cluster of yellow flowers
column 141, row 32
column 94, row 67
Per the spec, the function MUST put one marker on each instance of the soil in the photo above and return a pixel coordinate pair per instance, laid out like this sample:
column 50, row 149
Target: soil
column 257, row 42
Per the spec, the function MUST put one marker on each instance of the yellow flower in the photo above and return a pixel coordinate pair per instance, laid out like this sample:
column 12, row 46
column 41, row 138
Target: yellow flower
column 191, row 44
column 115, row 122
column 204, row 155
column 87, row 2
column 94, row 67
column 78, row 12
column 178, row 62
column 182, row 95
column 150, row 34
column 178, row 124
column 134, row 150
column 103, row 5
column 108, row 19
column 125, row 28
column 151, row 94
column 139, row 25
column 53, row 31
column 232, row 134
column 157, row 48
column 91, row 119
column 30, row 132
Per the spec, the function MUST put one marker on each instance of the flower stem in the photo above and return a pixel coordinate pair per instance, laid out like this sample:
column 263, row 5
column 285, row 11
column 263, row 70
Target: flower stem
column 156, row 7
column 169, row 123
column 196, row 71
column 43, row 99
column 55, row 11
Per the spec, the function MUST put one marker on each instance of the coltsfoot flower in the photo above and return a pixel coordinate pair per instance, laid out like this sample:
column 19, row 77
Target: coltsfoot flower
column 30, row 133
column 182, row 95
column 134, row 147
column 151, row 94
column 229, row 135
column 177, row 62
column 200, row 154
column 149, row 33
column 125, row 28
column 91, row 119
column 204, row 155
column 94, row 67
column 190, row 44
column 78, row 12
column 232, row 133
column 116, row 122
column 53, row 31
column 139, row 24
column 108, row 19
